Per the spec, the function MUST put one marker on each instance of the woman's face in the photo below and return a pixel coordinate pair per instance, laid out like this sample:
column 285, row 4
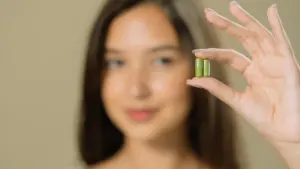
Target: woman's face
column 144, row 88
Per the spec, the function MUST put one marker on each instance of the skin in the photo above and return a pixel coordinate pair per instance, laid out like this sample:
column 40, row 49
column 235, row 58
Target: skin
column 147, row 70
column 270, row 102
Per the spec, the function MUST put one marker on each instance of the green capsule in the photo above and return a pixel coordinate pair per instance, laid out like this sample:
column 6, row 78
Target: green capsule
column 199, row 67
column 206, row 68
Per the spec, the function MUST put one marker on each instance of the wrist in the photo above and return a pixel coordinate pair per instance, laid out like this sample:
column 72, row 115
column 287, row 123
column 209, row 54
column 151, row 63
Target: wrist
column 290, row 153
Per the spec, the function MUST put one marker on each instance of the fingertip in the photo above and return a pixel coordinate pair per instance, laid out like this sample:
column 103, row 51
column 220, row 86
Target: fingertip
column 273, row 15
column 204, row 50
column 234, row 7
column 196, row 51
column 193, row 83
column 273, row 8
column 209, row 13
column 208, row 10
column 188, row 81
column 234, row 4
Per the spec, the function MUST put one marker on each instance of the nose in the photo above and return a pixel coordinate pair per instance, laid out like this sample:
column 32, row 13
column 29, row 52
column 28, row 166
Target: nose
column 138, row 84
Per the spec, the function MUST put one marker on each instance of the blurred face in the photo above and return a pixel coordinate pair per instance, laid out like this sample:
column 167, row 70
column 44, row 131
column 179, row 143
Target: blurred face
column 144, row 89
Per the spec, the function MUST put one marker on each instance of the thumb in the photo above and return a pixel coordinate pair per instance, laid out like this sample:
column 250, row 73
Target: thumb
column 216, row 88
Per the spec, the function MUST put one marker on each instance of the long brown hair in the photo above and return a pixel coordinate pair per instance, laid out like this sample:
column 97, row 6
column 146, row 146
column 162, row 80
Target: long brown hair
column 211, row 129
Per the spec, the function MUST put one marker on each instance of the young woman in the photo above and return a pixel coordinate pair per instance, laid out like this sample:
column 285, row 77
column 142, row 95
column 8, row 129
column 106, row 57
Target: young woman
column 139, row 112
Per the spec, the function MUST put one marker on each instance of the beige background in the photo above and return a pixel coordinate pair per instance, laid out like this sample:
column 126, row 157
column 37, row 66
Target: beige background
column 41, row 52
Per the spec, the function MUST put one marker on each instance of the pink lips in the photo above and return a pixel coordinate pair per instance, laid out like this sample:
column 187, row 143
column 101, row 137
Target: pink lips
column 141, row 115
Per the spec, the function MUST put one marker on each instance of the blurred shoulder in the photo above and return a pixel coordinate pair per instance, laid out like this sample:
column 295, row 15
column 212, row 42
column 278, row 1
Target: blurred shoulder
column 104, row 165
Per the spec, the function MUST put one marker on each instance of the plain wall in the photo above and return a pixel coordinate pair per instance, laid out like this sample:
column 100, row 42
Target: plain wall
column 42, row 44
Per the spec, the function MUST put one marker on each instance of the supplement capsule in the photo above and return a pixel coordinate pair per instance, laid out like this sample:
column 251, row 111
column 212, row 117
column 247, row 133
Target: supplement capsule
column 206, row 68
column 199, row 67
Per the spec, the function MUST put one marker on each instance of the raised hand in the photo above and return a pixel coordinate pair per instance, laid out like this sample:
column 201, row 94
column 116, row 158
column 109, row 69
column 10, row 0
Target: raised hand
column 271, row 100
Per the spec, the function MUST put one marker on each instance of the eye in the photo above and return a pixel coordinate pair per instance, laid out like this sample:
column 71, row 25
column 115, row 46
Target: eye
column 114, row 63
column 163, row 60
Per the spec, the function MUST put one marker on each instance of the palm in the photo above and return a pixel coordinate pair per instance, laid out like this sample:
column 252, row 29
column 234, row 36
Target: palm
column 270, row 101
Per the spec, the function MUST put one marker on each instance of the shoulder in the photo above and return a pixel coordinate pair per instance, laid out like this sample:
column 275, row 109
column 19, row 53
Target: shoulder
column 112, row 163
column 108, row 164
column 81, row 165
column 97, row 166
column 103, row 165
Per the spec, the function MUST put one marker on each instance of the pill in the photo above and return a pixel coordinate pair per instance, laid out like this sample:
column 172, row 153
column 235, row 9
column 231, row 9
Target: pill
column 199, row 67
column 206, row 68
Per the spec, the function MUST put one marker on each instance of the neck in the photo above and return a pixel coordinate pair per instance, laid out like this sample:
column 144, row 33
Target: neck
column 168, row 152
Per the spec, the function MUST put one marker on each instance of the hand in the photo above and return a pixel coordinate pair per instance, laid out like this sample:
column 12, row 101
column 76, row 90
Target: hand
column 271, row 100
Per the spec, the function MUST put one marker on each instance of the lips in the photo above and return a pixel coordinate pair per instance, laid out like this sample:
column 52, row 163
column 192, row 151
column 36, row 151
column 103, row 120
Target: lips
column 141, row 115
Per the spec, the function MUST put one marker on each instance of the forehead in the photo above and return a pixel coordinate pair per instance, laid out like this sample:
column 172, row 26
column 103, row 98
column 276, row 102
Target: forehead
column 142, row 26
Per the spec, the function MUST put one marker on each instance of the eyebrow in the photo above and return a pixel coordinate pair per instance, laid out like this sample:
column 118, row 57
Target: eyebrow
column 163, row 48
column 150, row 50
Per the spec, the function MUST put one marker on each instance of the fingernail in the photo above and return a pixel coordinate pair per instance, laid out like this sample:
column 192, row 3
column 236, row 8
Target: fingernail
column 204, row 50
column 197, row 50
column 235, row 3
column 206, row 10
column 195, row 85
column 190, row 82
column 276, row 9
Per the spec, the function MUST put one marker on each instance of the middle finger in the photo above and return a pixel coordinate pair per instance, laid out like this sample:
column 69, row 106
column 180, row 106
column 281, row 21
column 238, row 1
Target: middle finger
column 264, row 36
column 239, row 32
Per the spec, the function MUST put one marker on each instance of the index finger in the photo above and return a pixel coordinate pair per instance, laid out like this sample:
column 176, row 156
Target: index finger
column 233, row 58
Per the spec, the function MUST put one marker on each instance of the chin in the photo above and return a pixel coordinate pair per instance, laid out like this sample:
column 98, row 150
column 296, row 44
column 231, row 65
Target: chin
column 144, row 134
column 150, row 133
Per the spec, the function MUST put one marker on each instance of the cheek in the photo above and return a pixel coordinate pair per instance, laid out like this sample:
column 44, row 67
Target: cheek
column 172, row 89
column 172, row 84
column 174, row 95
column 112, row 89
column 113, row 98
